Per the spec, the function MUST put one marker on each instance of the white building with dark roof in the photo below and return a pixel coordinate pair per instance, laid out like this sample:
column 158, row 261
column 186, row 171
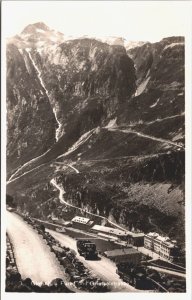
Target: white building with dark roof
column 161, row 245
column 81, row 222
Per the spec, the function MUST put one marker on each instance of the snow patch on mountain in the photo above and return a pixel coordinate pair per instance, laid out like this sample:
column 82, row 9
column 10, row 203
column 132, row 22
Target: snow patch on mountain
column 59, row 132
column 112, row 123
column 173, row 45
column 141, row 88
column 40, row 30
column 47, row 93
column 154, row 104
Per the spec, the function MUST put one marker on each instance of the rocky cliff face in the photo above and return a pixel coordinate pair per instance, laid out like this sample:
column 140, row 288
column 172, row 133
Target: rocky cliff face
column 117, row 117
column 160, row 77
column 30, row 119
column 83, row 81
column 85, row 76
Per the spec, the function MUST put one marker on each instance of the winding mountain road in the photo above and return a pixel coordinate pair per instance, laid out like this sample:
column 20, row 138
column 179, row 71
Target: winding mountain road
column 86, row 136
column 147, row 137
column 15, row 176
column 32, row 254
column 62, row 200
column 166, row 118
column 104, row 268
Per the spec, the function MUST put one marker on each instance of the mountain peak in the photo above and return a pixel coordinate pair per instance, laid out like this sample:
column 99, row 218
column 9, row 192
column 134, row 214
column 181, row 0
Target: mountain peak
column 39, row 26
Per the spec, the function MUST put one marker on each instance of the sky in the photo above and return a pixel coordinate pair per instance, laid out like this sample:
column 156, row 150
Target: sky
column 134, row 21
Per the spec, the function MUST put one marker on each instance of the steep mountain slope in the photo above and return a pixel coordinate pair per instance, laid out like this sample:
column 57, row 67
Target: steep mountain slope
column 84, row 80
column 30, row 119
column 84, row 73
column 117, row 119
